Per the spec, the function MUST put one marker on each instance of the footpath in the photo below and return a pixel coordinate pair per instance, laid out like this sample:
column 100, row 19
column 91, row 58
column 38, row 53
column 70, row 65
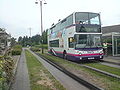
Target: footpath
column 21, row 81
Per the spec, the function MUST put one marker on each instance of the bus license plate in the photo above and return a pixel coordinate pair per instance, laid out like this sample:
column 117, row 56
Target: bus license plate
column 91, row 58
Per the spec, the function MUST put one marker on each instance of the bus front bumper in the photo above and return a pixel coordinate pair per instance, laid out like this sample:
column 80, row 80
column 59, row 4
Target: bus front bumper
column 79, row 58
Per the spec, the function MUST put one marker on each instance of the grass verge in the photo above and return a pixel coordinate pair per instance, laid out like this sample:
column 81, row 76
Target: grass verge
column 103, row 81
column 106, row 68
column 40, row 78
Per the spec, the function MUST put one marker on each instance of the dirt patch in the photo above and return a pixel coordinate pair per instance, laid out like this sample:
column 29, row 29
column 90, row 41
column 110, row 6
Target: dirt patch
column 45, row 81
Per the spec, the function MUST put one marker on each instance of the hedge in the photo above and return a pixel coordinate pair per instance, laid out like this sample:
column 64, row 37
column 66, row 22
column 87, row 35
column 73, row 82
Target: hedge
column 16, row 50
column 35, row 49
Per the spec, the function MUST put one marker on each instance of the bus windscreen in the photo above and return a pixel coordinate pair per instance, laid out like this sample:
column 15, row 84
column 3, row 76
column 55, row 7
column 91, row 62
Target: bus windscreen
column 87, row 41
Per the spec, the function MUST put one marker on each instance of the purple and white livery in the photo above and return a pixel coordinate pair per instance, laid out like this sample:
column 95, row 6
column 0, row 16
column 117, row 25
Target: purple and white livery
column 77, row 37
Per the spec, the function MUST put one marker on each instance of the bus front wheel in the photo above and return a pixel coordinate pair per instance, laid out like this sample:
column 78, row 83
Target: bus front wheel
column 64, row 55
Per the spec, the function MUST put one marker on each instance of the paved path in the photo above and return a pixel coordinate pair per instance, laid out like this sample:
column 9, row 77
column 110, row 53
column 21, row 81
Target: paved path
column 66, row 81
column 22, row 78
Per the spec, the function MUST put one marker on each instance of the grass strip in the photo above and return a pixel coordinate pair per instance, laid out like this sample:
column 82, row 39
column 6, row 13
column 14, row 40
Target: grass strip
column 106, row 68
column 40, row 78
column 106, row 82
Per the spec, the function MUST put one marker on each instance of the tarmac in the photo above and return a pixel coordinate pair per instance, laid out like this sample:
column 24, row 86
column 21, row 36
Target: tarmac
column 21, row 81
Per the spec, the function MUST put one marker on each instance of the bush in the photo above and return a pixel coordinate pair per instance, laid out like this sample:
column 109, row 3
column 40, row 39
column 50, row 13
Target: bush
column 17, row 47
column 35, row 49
column 16, row 50
column 6, row 72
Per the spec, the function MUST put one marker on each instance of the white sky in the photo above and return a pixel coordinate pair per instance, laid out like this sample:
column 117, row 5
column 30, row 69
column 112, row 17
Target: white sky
column 16, row 16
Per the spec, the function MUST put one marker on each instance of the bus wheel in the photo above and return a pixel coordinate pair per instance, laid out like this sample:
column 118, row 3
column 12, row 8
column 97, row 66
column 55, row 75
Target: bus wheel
column 64, row 55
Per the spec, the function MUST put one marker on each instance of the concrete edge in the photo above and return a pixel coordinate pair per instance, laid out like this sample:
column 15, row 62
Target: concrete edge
column 14, row 71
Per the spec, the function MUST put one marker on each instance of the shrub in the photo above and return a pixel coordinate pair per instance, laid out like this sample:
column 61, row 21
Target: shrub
column 16, row 50
column 17, row 47
column 35, row 49
column 6, row 72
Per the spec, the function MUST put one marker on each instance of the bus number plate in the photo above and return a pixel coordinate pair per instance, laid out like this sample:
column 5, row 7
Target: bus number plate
column 91, row 58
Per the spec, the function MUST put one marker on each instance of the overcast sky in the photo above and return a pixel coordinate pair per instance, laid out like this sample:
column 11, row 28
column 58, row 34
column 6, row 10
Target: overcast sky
column 16, row 16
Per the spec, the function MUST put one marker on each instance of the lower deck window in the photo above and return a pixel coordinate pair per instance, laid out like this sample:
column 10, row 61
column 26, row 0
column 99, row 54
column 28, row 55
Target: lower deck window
column 54, row 43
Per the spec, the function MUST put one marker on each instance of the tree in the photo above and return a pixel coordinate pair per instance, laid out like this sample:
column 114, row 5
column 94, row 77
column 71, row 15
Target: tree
column 34, row 40
column 20, row 40
column 13, row 41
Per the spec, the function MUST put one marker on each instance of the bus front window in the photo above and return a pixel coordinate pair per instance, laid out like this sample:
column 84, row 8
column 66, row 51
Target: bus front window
column 88, row 28
column 87, row 18
column 87, row 22
column 87, row 41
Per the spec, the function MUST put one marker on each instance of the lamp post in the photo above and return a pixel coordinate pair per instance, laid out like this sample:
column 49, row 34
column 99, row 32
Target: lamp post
column 30, row 36
column 30, row 30
column 40, row 1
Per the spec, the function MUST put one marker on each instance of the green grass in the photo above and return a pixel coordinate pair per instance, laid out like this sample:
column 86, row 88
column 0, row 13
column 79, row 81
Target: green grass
column 106, row 68
column 108, row 83
column 45, row 46
column 40, row 78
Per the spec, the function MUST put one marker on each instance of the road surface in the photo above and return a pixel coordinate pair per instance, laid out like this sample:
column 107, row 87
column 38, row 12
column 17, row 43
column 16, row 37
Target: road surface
column 22, row 78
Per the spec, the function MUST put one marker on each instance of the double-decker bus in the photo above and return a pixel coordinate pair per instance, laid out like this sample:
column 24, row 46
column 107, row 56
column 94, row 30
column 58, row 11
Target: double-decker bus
column 77, row 37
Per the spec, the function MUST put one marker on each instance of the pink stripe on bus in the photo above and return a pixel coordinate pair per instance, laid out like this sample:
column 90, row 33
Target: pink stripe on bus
column 90, row 54
column 78, row 54
column 83, row 54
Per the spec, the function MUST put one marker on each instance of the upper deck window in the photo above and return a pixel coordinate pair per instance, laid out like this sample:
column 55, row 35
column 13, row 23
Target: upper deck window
column 87, row 18
column 87, row 22
column 62, row 24
column 94, row 18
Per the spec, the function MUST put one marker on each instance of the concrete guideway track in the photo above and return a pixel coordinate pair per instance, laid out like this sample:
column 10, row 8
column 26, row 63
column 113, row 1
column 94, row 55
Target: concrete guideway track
column 66, row 81
column 110, row 64
column 22, row 78
column 103, row 72
column 112, row 60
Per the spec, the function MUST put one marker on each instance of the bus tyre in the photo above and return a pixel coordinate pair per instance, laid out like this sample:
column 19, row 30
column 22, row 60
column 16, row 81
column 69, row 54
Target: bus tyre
column 64, row 55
